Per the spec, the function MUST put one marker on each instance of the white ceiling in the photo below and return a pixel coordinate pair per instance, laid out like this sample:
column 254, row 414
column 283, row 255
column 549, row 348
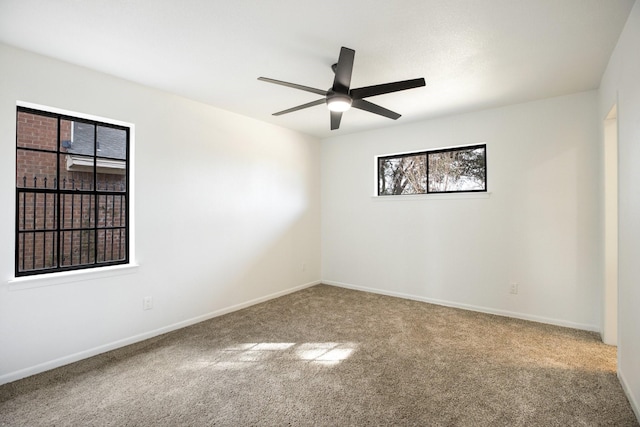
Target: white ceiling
column 473, row 54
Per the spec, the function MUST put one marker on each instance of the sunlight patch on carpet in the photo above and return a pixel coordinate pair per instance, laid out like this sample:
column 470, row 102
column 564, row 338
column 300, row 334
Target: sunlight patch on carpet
column 244, row 355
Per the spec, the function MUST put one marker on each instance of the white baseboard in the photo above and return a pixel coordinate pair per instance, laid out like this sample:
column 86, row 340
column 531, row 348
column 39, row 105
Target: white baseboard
column 633, row 401
column 56, row 363
column 516, row 315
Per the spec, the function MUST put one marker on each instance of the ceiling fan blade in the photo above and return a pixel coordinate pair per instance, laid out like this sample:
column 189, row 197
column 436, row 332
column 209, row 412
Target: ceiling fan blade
column 301, row 107
column 342, row 80
column 336, row 116
column 364, row 92
column 361, row 104
column 293, row 85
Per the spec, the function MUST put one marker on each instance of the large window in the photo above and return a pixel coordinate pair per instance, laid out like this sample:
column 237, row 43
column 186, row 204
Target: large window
column 72, row 193
column 450, row 170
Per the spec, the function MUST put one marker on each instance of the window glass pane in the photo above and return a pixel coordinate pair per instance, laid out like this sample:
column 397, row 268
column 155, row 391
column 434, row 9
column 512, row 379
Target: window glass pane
column 82, row 138
column 111, row 245
column 402, row 175
column 111, row 175
column 77, row 211
column 36, row 243
column 76, row 173
column 111, row 210
column 457, row 170
column 68, row 247
column 36, row 131
column 37, row 211
column 111, row 164
column 77, row 247
column 35, row 169
column 77, row 141
column 111, row 227
column 37, row 250
column 112, row 143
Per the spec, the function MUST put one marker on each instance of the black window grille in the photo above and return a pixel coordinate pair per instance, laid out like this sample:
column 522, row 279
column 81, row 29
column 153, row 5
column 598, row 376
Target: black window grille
column 450, row 170
column 72, row 193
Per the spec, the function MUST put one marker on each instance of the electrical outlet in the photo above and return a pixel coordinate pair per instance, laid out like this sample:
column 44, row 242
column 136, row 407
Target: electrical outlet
column 303, row 267
column 147, row 303
column 514, row 288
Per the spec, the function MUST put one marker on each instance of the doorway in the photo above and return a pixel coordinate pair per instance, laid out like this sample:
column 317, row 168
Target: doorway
column 610, row 309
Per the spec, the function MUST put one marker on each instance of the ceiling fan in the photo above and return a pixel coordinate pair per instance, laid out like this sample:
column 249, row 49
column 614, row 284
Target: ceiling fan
column 341, row 97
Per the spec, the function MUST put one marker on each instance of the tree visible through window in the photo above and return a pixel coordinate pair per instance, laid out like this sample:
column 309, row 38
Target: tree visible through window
column 452, row 170
column 72, row 198
column 402, row 174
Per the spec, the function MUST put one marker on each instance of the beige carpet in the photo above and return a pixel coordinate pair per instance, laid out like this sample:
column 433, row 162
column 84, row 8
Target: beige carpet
column 334, row 357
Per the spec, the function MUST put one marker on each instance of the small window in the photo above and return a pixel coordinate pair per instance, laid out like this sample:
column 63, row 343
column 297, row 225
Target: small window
column 72, row 193
column 451, row 170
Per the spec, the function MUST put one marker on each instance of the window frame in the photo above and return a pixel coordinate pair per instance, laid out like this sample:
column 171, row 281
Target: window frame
column 58, row 193
column 426, row 153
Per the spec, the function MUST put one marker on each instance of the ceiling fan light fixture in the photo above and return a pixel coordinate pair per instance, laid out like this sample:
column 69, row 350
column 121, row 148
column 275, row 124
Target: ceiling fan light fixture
column 339, row 103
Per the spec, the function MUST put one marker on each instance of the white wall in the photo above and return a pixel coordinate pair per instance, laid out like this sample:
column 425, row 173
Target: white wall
column 227, row 210
column 539, row 227
column 620, row 84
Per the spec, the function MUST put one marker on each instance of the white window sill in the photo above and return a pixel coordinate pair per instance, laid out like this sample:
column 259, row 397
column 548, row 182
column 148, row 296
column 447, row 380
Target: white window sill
column 50, row 279
column 437, row 196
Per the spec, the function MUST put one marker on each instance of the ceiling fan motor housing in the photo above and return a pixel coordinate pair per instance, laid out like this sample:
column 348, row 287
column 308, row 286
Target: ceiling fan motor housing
column 338, row 101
